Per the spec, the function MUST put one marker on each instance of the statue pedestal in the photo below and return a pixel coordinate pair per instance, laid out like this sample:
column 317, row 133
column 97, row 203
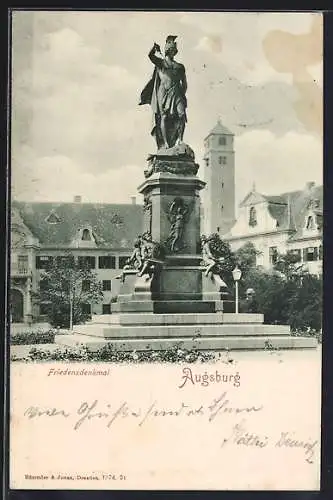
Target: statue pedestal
column 174, row 222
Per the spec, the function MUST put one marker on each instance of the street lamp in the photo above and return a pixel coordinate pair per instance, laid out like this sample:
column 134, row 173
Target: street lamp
column 70, row 306
column 236, row 274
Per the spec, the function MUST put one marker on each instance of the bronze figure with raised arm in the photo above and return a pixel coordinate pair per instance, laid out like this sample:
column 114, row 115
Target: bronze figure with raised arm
column 165, row 92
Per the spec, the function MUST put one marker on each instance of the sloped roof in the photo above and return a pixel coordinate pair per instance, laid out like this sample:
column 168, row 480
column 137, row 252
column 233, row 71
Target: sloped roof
column 113, row 225
column 219, row 129
column 292, row 216
column 299, row 204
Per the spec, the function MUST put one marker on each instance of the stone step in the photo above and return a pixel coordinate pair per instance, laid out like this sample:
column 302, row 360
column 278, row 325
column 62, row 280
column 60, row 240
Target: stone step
column 207, row 343
column 184, row 319
column 205, row 330
column 173, row 306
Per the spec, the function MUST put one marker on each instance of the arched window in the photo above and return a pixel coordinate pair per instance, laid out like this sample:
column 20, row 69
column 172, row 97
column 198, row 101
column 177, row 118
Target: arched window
column 86, row 235
column 252, row 217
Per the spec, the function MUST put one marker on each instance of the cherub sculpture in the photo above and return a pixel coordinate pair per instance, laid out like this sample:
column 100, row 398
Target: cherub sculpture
column 135, row 260
column 211, row 262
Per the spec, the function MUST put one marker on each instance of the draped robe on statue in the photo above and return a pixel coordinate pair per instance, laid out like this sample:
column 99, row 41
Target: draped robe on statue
column 167, row 101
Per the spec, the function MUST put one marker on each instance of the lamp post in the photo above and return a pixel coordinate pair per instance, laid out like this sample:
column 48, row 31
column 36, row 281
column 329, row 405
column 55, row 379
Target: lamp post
column 70, row 307
column 236, row 274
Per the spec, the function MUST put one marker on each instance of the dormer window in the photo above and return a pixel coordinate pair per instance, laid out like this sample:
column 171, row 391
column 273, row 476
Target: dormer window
column 313, row 204
column 86, row 236
column 310, row 223
column 53, row 218
column 222, row 141
column 253, row 217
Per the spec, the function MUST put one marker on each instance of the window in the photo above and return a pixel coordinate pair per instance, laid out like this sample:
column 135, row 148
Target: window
column 222, row 160
column 222, row 141
column 310, row 225
column 86, row 236
column 87, row 262
column 122, row 261
column 53, row 218
column 22, row 262
column 207, row 162
column 106, row 285
column 310, row 254
column 86, row 308
column 85, row 285
column 273, row 255
column 252, row 217
column 222, row 207
column 106, row 262
column 65, row 260
column 222, row 185
column 43, row 262
column 106, row 309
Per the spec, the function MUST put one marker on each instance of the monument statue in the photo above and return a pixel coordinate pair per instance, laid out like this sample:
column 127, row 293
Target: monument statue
column 146, row 257
column 135, row 261
column 165, row 92
column 211, row 262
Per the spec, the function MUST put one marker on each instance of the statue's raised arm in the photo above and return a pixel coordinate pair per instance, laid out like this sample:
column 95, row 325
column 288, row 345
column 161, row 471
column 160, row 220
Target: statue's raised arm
column 165, row 92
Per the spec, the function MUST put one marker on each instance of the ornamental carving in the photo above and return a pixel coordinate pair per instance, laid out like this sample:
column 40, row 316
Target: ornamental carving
column 178, row 214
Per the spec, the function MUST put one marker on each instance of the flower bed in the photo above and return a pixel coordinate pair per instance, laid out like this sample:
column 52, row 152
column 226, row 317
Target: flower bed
column 30, row 337
column 309, row 332
column 108, row 354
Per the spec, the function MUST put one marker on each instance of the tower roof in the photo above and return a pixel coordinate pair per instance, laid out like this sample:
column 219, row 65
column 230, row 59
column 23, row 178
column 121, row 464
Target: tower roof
column 219, row 129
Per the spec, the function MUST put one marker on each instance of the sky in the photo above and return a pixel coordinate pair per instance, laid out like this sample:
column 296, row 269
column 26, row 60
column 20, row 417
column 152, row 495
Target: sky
column 77, row 128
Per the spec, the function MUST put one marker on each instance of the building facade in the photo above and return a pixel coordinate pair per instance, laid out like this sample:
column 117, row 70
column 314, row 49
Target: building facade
column 290, row 222
column 100, row 235
column 273, row 224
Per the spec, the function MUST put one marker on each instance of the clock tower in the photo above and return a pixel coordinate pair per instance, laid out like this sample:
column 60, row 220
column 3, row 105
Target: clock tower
column 219, row 175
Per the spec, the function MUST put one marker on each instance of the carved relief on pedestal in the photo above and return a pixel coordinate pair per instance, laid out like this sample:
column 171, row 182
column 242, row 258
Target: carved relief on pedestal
column 178, row 213
column 147, row 214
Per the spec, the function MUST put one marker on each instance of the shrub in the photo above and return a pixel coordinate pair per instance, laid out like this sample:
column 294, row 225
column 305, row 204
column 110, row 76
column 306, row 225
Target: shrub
column 37, row 337
column 295, row 300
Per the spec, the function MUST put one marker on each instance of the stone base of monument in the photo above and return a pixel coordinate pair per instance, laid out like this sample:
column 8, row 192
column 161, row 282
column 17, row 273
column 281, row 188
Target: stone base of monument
column 203, row 331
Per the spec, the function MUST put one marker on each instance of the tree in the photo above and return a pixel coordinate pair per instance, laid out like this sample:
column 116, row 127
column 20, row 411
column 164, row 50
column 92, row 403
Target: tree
column 246, row 257
column 66, row 287
column 292, row 297
column 289, row 265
